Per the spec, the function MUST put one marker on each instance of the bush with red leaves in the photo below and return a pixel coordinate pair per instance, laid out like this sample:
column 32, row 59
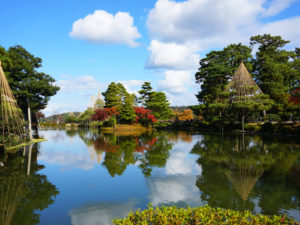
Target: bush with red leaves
column 144, row 116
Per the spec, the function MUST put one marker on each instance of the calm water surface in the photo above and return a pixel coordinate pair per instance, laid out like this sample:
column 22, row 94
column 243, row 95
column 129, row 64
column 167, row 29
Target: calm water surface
column 83, row 177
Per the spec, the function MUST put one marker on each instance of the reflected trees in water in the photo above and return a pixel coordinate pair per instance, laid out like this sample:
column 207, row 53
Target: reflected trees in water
column 147, row 150
column 239, row 172
column 23, row 191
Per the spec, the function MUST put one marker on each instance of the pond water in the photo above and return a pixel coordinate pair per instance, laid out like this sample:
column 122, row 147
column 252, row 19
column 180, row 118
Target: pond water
column 82, row 177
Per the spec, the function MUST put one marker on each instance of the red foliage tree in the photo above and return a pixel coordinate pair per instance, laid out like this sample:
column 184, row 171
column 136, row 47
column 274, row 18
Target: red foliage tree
column 104, row 114
column 144, row 116
column 295, row 97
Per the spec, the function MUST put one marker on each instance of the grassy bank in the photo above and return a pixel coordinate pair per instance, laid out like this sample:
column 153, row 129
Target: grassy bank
column 24, row 144
column 199, row 215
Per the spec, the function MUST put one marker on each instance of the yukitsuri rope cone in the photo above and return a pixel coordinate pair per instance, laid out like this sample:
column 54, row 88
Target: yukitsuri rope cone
column 242, row 86
column 12, row 121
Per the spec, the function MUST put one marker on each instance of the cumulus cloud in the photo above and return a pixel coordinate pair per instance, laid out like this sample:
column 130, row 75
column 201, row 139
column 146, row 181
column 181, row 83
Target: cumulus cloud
column 176, row 81
column 171, row 56
column 175, row 190
column 105, row 28
column 214, row 23
column 195, row 19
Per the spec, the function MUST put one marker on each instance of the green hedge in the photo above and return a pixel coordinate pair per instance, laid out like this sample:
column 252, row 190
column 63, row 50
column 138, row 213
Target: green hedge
column 199, row 215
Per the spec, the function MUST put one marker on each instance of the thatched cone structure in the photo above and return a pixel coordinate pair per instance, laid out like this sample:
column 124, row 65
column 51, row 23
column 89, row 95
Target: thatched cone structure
column 242, row 86
column 243, row 91
column 11, row 120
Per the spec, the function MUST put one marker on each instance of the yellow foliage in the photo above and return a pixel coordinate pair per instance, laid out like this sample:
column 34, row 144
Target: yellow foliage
column 187, row 114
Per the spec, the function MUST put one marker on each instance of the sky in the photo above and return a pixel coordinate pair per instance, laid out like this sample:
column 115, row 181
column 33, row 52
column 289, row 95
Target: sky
column 86, row 44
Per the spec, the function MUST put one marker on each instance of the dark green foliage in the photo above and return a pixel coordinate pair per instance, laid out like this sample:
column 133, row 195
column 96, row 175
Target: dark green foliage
column 114, row 95
column 273, row 68
column 199, row 215
column 217, row 68
column 145, row 93
column 159, row 105
column 127, row 113
column 26, row 82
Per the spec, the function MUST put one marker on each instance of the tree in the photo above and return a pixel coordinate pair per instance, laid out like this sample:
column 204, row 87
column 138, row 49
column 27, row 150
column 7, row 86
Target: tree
column 217, row 68
column 159, row 105
column 273, row 68
column 186, row 115
column 144, row 116
column 127, row 114
column 99, row 104
column 145, row 93
column 114, row 95
column 30, row 87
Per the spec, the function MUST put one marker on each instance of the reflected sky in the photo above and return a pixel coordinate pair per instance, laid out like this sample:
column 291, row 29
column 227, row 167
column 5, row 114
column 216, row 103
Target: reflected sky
column 102, row 176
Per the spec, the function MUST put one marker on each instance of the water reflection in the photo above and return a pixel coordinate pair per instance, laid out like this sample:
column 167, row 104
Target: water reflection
column 22, row 190
column 248, row 172
column 121, row 149
column 101, row 213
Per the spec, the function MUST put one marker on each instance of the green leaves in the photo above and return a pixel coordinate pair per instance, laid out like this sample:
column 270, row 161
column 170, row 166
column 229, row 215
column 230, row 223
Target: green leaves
column 199, row 215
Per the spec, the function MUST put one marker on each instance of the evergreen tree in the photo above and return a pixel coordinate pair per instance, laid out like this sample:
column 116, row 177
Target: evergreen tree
column 273, row 68
column 159, row 105
column 127, row 113
column 30, row 87
column 114, row 95
column 145, row 93
column 217, row 68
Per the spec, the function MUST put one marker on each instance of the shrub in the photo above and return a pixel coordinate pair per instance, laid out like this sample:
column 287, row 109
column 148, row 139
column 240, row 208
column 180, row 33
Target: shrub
column 272, row 117
column 199, row 215
column 111, row 122
column 252, row 127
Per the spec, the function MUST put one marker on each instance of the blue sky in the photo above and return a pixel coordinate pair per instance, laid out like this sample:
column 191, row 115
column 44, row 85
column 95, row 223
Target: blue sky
column 85, row 45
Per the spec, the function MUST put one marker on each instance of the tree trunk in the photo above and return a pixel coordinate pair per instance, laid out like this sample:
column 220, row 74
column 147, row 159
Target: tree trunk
column 29, row 159
column 243, row 121
column 29, row 123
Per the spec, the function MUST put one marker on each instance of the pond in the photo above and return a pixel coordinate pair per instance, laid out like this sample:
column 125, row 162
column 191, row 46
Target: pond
column 85, row 177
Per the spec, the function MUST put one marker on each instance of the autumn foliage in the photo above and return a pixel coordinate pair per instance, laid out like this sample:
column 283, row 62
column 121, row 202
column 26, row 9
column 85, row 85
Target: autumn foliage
column 144, row 116
column 295, row 97
column 186, row 115
column 104, row 114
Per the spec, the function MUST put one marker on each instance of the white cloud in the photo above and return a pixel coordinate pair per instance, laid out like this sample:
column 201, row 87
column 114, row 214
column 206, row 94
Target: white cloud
column 174, row 190
column 102, row 27
column 194, row 19
column 176, row 81
column 289, row 29
column 277, row 6
column 79, row 84
column 100, row 213
column 208, row 24
column 171, row 56
column 132, row 86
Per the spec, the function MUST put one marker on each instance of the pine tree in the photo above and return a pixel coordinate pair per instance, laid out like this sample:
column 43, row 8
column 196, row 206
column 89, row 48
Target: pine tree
column 127, row 113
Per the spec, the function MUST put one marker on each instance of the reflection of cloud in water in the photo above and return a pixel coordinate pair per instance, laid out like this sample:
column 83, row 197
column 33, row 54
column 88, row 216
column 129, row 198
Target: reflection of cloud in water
column 70, row 159
column 174, row 190
column 181, row 161
column 102, row 213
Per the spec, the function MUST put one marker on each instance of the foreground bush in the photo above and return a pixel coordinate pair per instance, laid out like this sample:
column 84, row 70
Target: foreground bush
column 199, row 215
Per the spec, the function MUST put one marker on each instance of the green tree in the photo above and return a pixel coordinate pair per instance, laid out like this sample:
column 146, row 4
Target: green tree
column 114, row 95
column 159, row 105
column 273, row 68
column 217, row 68
column 31, row 88
column 127, row 113
column 145, row 93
